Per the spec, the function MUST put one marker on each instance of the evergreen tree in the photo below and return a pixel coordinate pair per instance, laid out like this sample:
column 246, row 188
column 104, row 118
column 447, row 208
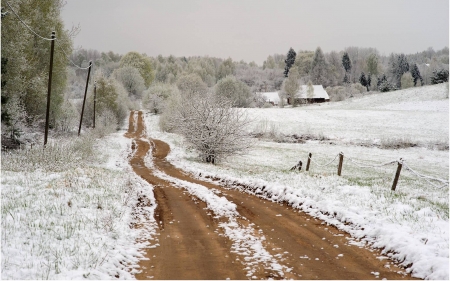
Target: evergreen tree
column 416, row 74
column 402, row 68
column 440, row 76
column 363, row 80
column 290, row 59
column 346, row 63
column 369, row 81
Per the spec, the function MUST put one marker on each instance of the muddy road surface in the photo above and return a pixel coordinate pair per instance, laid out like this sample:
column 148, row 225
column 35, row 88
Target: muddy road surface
column 193, row 244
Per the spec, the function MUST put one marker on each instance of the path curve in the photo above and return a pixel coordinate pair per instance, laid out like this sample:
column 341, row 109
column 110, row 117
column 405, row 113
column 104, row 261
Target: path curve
column 309, row 248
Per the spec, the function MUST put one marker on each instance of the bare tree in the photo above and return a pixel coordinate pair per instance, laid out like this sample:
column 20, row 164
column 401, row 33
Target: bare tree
column 211, row 126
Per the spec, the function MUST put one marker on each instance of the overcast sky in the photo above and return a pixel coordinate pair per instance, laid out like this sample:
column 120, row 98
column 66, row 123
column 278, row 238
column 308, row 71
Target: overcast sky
column 252, row 30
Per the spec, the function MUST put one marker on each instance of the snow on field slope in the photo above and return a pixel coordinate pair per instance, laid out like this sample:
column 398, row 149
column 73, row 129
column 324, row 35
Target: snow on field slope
column 410, row 224
column 417, row 113
column 74, row 220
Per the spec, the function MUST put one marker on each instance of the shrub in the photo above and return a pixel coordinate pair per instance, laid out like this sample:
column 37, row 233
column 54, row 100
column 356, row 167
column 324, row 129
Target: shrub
column 407, row 80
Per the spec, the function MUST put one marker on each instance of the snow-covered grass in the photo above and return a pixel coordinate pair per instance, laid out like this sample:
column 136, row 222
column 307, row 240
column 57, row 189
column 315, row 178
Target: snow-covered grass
column 409, row 224
column 68, row 211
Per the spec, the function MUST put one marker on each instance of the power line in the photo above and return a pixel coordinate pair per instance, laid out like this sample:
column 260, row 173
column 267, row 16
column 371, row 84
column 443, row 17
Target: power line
column 29, row 28
column 67, row 57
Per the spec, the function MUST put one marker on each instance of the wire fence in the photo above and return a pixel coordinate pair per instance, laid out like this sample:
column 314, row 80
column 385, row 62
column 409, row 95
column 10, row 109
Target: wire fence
column 362, row 164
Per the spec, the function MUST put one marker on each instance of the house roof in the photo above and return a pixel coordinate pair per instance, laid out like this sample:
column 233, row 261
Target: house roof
column 319, row 92
column 272, row 97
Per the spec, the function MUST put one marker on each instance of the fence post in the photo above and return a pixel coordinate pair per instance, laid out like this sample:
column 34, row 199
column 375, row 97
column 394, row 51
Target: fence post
column 49, row 89
column 84, row 99
column 397, row 174
column 341, row 160
column 95, row 98
column 309, row 161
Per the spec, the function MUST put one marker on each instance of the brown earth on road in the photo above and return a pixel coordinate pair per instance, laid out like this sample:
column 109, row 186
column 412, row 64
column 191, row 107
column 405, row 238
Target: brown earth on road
column 191, row 249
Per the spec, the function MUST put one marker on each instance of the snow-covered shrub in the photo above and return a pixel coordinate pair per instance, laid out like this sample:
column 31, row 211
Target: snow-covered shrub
column 397, row 143
column 360, row 88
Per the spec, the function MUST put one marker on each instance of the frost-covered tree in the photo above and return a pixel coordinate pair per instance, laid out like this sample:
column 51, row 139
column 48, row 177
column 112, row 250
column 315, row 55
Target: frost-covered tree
column 401, row 68
column 439, row 76
column 28, row 57
column 142, row 63
column 291, row 86
column 363, row 80
column 210, row 125
column 416, row 74
column 407, row 80
column 234, row 90
column 319, row 68
column 372, row 64
column 303, row 62
column 346, row 63
column 154, row 97
column 310, row 90
column 290, row 59
column 226, row 68
column 191, row 84
column 131, row 79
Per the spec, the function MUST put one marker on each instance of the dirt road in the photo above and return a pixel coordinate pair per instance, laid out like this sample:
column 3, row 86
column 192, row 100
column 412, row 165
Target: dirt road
column 193, row 246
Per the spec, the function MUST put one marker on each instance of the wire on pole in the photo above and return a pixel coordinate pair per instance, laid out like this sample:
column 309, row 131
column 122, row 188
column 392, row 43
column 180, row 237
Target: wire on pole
column 29, row 28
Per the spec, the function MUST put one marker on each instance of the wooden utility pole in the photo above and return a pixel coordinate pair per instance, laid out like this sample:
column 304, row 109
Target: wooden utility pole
column 84, row 99
column 341, row 160
column 309, row 161
column 397, row 174
column 95, row 98
column 49, row 89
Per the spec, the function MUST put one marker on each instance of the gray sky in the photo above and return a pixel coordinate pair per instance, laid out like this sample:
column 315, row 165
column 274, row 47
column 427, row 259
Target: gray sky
column 252, row 30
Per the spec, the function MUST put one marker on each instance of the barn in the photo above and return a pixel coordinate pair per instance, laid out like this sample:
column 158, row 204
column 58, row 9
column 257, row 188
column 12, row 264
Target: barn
column 319, row 95
column 271, row 97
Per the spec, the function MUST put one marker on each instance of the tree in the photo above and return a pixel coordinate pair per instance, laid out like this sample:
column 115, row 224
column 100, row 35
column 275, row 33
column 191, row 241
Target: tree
column 191, row 84
column 347, row 64
column 154, row 97
column 28, row 58
column 226, row 68
column 234, row 90
column 319, row 68
column 131, row 79
column 439, row 76
column 310, row 90
column 416, row 74
column 401, row 68
column 383, row 84
column 407, row 80
column 372, row 64
column 141, row 63
column 303, row 62
column 291, row 86
column 363, row 80
column 290, row 59
column 210, row 125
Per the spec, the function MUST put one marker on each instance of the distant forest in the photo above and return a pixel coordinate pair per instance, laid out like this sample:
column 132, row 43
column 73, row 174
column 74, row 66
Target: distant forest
column 134, row 80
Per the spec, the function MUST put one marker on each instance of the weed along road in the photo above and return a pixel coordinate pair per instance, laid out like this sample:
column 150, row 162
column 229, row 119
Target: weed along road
column 261, row 240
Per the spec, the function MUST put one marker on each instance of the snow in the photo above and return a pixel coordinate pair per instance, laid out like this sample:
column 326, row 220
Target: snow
column 319, row 92
column 76, row 223
column 410, row 225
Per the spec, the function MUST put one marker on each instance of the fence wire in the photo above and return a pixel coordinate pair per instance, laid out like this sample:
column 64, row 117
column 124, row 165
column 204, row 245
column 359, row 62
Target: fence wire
column 324, row 164
column 426, row 178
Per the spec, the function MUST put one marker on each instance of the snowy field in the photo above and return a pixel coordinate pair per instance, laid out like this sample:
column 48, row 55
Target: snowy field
column 410, row 224
column 70, row 215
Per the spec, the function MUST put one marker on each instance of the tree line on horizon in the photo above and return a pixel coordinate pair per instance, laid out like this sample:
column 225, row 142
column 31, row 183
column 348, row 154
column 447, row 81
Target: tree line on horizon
column 123, row 82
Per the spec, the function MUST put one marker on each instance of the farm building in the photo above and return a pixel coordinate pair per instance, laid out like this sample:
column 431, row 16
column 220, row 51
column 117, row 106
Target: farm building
column 319, row 95
column 271, row 97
